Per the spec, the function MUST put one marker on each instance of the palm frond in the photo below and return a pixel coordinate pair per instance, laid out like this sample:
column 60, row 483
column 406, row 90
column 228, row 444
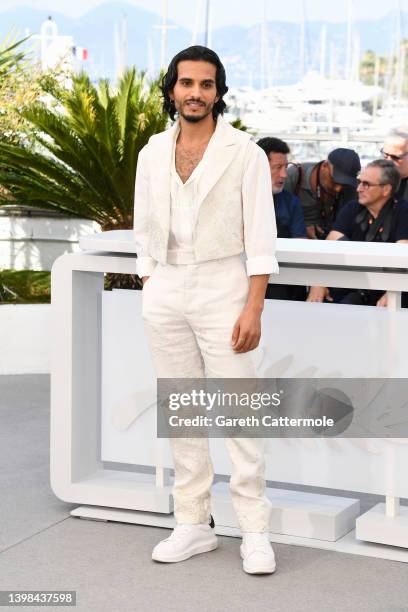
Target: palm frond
column 9, row 57
column 82, row 160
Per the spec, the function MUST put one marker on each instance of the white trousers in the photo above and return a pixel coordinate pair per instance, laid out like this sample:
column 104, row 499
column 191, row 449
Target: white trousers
column 189, row 311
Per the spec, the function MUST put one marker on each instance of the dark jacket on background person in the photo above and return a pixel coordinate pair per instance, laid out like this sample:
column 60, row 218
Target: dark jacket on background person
column 289, row 215
column 315, row 211
column 402, row 193
column 357, row 225
column 290, row 223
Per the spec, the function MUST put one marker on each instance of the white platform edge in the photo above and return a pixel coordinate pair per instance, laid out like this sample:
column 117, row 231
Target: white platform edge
column 375, row 526
column 347, row 544
column 296, row 513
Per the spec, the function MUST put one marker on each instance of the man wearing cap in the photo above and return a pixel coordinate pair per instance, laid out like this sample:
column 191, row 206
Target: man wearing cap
column 396, row 149
column 377, row 216
column 323, row 188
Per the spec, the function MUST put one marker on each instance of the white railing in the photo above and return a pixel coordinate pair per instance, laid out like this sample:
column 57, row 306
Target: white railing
column 100, row 364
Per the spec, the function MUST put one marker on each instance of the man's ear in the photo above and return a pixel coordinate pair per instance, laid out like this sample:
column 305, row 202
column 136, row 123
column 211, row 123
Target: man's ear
column 388, row 190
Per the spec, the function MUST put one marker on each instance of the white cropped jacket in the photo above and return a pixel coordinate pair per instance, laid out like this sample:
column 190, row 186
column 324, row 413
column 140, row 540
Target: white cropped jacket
column 235, row 204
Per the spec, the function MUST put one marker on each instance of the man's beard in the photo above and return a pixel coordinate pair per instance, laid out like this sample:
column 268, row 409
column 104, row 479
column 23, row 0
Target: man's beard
column 193, row 118
column 196, row 118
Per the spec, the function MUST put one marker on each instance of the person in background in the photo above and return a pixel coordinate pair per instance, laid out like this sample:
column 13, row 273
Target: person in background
column 288, row 209
column 396, row 149
column 323, row 188
column 290, row 220
column 377, row 216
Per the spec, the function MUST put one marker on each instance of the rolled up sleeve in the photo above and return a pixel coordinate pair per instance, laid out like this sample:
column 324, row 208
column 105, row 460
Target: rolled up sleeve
column 260, row 233
column 144, row 263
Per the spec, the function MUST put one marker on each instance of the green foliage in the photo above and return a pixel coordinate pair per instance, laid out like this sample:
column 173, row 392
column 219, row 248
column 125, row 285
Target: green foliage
column 367, row 68
column 10, row 56
column 34, row 286
column 237, row 123
column 86, row 142
column 392, row 71
column 18, row 87
column 25, row 286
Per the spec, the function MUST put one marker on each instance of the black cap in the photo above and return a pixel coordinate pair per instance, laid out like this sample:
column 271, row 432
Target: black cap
column 346, row 166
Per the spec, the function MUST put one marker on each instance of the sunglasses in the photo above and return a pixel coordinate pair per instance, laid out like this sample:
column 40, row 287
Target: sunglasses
column 395, row 158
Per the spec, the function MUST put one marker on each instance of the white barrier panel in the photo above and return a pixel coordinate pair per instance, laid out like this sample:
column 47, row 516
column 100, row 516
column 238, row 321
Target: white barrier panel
column 103, row 385
column 129, row 390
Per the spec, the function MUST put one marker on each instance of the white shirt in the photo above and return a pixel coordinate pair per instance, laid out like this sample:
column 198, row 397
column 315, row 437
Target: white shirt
column 183, row 209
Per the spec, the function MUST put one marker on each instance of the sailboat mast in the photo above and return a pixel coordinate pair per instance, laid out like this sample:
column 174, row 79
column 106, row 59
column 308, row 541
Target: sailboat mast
column 349, row 39
column 400, row 55
column 323, row 40
column 164, row 27
column 265, row 65
column 376, row 83
column 302, row 40
column 207, row 23
column 163, row 47
column 196, row 22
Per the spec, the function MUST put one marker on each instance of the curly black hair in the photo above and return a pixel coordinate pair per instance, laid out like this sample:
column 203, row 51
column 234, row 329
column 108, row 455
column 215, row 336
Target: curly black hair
column 195, row 53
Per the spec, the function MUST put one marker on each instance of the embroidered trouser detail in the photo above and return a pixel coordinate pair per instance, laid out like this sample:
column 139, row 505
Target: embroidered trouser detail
column 189, row 312
column 194, row 476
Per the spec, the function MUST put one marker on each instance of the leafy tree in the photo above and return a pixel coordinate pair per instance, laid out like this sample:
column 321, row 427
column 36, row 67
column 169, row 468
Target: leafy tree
column 76, row 149
column 86, row 142
column 16, row 88
column 367, row 68
column 391, row 75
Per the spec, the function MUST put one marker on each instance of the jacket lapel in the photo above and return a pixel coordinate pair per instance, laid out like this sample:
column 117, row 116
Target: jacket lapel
column 160, row 167
column 220, row 157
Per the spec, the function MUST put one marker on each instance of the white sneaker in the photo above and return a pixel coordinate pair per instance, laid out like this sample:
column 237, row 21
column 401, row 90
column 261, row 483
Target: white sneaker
column 257, row 553
column 184, row 542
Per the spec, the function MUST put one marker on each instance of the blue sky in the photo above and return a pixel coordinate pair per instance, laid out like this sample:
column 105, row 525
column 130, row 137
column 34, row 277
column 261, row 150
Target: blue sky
column 231, row 12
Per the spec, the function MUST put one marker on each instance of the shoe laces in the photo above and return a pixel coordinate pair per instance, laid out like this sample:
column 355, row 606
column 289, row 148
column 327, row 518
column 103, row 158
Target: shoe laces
column 179, row 532
column 258, row 542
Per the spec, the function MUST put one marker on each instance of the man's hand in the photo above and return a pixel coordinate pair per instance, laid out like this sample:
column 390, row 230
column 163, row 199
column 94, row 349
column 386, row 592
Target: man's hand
column 319, row 294
column 314, row 232
column 247, row 330
column 144, row 279
column 382, row 302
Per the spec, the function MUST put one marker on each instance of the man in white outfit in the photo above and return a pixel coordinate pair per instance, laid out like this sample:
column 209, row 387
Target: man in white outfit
column 203, row 199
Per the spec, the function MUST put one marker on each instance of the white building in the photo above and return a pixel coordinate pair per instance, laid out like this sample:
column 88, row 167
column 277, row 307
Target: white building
column 56, row 50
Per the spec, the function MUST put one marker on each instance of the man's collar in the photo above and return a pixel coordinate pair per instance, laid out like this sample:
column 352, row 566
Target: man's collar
column 223, row 134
